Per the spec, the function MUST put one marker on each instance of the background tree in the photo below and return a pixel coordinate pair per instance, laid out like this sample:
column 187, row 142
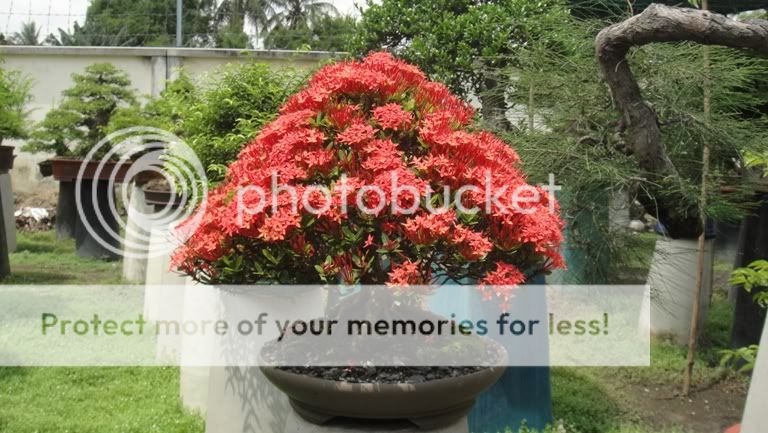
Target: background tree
column 327, row 33
column 280, row 23
column 232, row 16
column 577, row 133
column 219, row 114
column 78, row 123
column 80, row 37
column 296, row 14
column 231, row 105
column 28, row 35
column 141, row 23
column 458, row 42
column 14, row 95
column 166, row 112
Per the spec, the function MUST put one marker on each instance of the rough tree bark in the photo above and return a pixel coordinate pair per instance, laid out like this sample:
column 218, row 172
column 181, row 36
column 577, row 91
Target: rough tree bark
column 659, row 23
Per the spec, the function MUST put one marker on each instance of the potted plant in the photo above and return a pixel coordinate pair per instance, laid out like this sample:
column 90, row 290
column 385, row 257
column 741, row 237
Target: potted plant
column 14, row 95
column 353, row 129
column 70, row 131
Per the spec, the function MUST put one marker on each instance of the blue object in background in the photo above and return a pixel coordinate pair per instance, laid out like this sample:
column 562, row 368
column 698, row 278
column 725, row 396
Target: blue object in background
column 523, row 394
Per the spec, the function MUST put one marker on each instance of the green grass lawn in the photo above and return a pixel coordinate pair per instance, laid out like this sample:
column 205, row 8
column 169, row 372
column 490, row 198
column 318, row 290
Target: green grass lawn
column 42, row 259
column 87, row 399
column 93, row 400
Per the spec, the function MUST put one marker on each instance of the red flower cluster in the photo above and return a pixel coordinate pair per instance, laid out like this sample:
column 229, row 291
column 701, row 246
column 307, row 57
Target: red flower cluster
column 351, row 130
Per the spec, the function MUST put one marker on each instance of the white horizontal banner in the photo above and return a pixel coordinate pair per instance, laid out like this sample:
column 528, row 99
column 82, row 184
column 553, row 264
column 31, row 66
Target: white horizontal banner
column 447, row 325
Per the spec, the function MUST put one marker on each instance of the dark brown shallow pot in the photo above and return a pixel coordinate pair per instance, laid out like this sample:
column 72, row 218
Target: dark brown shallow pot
column 46, row 168
column 429, row 404
column 68, row 169
column 6, row 158
column 161, row 198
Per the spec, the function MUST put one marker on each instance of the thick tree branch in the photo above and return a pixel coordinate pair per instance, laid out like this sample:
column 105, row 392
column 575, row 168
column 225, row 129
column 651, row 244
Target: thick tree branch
column 659, row 23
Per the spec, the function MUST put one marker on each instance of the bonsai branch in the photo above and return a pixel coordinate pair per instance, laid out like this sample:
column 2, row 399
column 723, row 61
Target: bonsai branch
column 660, row 23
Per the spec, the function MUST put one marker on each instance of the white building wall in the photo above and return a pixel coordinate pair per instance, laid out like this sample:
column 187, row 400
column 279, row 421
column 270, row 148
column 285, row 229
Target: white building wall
column 50, row 69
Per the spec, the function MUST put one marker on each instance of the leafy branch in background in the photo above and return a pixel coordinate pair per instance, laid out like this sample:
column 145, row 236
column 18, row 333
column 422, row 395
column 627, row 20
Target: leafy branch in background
column 742, row 359
column 217, row 115
column 14, row 95
column 232, row 105
column 79, row 122
column 749, row 277
column 461, row 43
column 326, row 33
column 563, row 122
column 164, row 112
column 641, row 124
column 573, row 104
column 28, row 35
column 140, row 23
column 756, row 159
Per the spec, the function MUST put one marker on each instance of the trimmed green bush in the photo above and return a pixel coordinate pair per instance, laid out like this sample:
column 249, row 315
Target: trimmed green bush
column 79, row 122
column 14, row 94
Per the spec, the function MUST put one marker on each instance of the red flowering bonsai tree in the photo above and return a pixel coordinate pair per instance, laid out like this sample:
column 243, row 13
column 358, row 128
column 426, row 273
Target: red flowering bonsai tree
column 372, row 174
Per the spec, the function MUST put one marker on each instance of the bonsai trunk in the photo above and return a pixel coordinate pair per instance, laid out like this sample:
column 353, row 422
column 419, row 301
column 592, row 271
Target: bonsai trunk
column 640, row 124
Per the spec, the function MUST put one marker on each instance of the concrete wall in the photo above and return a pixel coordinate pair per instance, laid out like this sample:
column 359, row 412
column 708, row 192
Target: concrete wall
column 50, row 69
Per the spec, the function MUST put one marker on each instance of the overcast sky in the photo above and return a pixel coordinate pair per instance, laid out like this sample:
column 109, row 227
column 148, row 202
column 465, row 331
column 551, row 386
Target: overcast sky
column 53, row 14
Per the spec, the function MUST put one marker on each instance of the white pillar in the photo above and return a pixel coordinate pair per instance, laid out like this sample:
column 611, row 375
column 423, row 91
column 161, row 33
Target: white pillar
column 9, row 207
column 672, row 278
column 136, row 241
column 159, row 268
column 159, row 70
column 755, row 416
column 241, row 399
column 618, row 209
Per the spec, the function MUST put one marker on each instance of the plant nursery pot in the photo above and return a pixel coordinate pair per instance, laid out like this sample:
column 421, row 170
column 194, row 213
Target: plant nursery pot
column 68, row 169
column 90, row 221
column 145, row 176
column 6, row 158
column 46, row 168
column 161, row 198
column 672, row 278
column 428, row 405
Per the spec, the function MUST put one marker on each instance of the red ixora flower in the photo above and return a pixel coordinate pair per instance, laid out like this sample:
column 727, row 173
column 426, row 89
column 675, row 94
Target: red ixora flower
column 393, row 116
column 355, row 127
column 405, row 274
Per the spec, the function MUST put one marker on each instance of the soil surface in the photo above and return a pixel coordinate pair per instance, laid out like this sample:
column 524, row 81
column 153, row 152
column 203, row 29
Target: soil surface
column 390, row 375
column 707, row 410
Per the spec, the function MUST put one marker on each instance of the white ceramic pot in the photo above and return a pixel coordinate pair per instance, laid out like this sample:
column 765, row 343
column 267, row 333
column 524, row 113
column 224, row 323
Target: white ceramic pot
column 755, row 416
column 672, row 278
column 216, row 375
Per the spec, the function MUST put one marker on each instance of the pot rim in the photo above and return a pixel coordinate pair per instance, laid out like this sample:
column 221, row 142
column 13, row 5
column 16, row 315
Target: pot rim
column 353, row 387
column 344, row 386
